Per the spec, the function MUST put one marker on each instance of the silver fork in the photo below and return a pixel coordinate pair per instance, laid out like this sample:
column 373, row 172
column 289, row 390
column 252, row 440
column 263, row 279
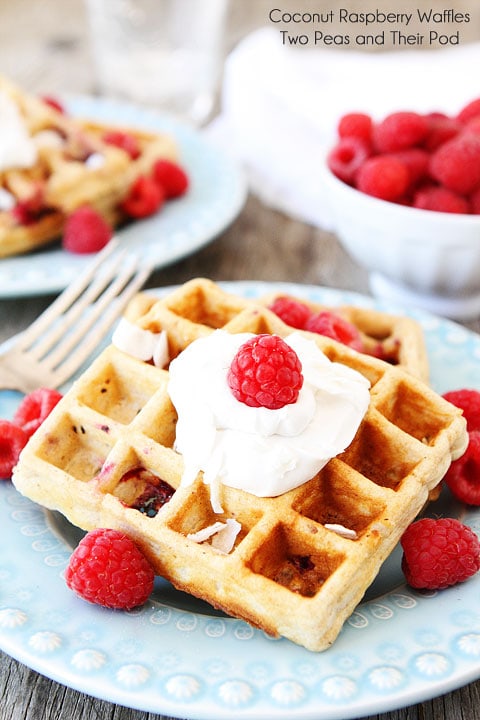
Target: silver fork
column 61, row 339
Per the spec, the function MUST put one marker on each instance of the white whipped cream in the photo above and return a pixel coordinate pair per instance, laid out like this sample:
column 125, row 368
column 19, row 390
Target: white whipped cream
column 140, row 343
column 17, row 149
column 264, row 452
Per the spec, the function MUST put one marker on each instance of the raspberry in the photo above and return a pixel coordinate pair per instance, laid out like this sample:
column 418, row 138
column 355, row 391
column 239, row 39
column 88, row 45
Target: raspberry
column 345, row 159
column 28, row 210
column 473, row 125
column 416, row 161
column 34, row 408
column 265, row 372
column 292, row 312
column 124, row 141
column 357, row 125
column 171, row 177
column 86, row 231
column 471, row 110
column 108, row 569
column 440, row 199
column 467, row 400
column 335, row 327
column 475, row 202
column 145, row 198
column 400, row 130
column 12, row 441
column 439, row 553
column 440, row 129
column 456, row 164
column 463, row 475
column 384, row 177
column 54, row 103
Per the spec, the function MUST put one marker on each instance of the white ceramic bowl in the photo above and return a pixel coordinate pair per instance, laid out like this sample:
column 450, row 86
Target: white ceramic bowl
column 416, row 257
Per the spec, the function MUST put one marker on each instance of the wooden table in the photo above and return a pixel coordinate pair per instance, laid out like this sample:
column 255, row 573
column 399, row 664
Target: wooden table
column 43, row 46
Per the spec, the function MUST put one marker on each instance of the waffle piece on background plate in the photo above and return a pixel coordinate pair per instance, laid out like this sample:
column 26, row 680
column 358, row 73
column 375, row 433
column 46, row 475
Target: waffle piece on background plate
column 301, row 561
column 56, row 163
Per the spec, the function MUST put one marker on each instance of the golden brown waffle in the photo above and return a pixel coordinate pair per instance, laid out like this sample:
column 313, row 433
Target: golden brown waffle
column 395, row 338
column 105, row 458
column 74, row 167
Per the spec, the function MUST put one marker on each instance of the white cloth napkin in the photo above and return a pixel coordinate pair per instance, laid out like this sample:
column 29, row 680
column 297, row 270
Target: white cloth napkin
column 280, row 107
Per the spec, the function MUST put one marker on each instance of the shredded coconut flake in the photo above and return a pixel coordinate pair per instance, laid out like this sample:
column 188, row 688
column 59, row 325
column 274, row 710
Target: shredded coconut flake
column 341, row 530
column 223, row 535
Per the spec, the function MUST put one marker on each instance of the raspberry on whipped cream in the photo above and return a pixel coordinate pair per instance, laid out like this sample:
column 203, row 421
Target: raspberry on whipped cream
column 259, row 450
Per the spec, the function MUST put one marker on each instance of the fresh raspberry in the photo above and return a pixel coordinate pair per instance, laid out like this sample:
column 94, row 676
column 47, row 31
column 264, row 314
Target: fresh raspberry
column 473, row 125
column 144, row 198
column 416, row 161
column 456, row 163
column 123, row 140
column 171, row 177
column 357, row 125
column 440, row 129
column 86, row 231
column 463, row 475
column 108, row 569
column 439, row 553
column 291, row 311
column 12, row 441
column 345, row 159
column 467, row 400
column 471, row 110
column 54, row 103
column 333, row 326
column 400, row 130
column 475, row 202
column 384, row 177
column 34, row 408
column 265, row 372
column 28, row 210
column 440, row 199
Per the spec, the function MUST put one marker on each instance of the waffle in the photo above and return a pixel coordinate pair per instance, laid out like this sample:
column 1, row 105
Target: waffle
column 301, row 561
column 74, row 167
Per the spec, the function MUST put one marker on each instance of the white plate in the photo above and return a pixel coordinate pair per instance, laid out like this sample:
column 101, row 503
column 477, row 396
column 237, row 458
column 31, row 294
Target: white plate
column 216, row 195
column 178, row 657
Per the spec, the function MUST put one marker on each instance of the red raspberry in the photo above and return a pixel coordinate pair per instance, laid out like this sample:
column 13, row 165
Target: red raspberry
column 439, row 553
column 265, row 372
column 34, row 408
column 463, row 475
column 345, row 159
column 400, row 130
column 357, row 125
column 86, row 231
column 473, row 125
column 471, row 110
column 54, row 103
column 467, row 400
column 123, row 140
column 440, row 129
column 416, row 161
column 456, row 164
column 171, row 177
column 475, row 202
column 441, row 200
column 145, row 198
column 384, row 177
column 291, row 311
column 335, row 327
column 28, row 210
column 12, row 441
column 108, row 569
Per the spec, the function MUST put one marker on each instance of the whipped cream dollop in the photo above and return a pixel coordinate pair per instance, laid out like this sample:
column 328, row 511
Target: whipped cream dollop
column 261, row 451
column 17, row 149
column 140, row 343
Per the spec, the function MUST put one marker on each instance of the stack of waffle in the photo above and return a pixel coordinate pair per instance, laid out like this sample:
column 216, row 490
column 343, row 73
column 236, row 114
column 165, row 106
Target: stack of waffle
column 73, row 166
column 301, row 561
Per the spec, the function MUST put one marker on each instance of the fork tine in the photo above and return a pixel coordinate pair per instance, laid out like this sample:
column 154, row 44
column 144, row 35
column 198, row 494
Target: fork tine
column 66, row 298
column 98, row 331
column 68, row 319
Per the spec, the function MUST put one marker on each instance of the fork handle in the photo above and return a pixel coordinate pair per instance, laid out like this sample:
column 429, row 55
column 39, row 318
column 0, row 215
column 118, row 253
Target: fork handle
column 10, row 381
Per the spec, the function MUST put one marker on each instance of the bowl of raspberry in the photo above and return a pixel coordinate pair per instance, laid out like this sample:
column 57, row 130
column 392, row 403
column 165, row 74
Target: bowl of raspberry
column 404, row 192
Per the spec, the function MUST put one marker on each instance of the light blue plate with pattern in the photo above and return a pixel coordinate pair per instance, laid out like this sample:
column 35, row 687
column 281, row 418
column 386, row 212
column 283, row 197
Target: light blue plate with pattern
column 176, row 656
column 216, row 195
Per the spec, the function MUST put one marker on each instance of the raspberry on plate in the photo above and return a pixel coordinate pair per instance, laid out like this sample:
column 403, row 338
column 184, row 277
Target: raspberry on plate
column 144, row 199
column 34, row 408
column 265, row 372
column 291, row 311
column 171, row 177
column 125, row 141
column 438, row 553
column 86, row 231
column 469, row 401
column 12, row 441
column 463, row 475
column 108, row 569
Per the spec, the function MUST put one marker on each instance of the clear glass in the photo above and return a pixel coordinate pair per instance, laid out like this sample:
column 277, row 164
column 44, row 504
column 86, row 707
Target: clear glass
column 163, row 53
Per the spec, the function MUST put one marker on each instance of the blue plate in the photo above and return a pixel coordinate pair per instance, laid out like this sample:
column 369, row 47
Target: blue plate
column 177, row 656
column 216, row 195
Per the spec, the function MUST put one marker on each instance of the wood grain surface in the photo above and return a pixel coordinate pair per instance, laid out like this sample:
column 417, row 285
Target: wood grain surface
column 44, row 46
